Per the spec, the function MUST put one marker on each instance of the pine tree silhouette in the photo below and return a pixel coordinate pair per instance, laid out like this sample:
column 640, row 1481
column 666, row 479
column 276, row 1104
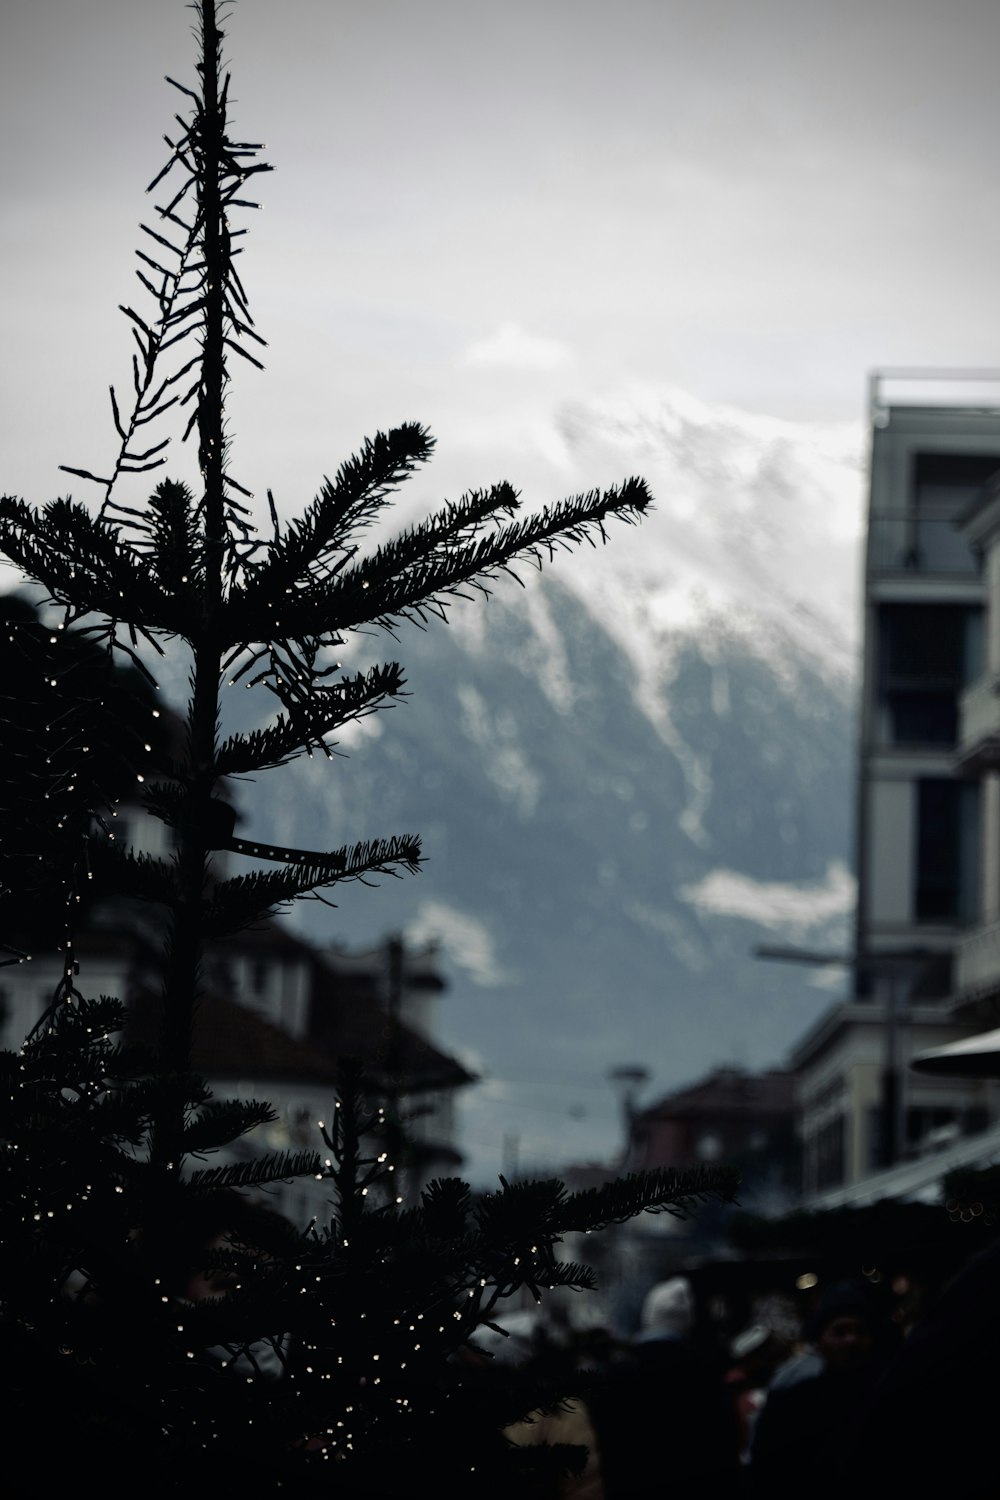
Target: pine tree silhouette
column 305, row 1352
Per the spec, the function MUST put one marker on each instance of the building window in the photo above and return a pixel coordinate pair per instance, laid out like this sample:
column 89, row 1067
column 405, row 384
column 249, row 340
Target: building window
column 943, row 485
column 828, row 1165
column 974, row 1119
column 920, row 535
column 926, row 654
column 947, row 864
column 922, row 1122
column 874, row 1133
column 708, row 1147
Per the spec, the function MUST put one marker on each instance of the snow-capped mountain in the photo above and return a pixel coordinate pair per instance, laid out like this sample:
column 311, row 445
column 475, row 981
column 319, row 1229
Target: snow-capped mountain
column 625, row 775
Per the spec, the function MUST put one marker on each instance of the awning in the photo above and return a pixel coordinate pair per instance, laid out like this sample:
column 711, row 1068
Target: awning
column 972, row 1057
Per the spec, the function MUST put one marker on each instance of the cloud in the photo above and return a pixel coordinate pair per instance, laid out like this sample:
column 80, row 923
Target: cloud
column 776, row 905
column 512, row 347
column 467, row 941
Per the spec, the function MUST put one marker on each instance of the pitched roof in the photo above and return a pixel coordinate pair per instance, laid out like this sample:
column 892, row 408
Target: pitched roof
column 351, row 1021
column 728, row 1091
column 232, row 1042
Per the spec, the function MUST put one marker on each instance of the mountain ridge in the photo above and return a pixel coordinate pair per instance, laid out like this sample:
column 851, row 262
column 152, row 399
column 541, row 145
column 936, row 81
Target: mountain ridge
column 625, row 775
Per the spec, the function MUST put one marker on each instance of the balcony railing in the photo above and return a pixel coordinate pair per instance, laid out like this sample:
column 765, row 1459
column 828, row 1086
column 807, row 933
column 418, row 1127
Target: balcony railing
column 957, row 390
column 978, row 742
column 904, row 542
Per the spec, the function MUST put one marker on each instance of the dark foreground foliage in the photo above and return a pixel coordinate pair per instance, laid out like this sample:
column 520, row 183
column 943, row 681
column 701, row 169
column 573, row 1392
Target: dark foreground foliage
column 172, row 1322
column 161, row 1328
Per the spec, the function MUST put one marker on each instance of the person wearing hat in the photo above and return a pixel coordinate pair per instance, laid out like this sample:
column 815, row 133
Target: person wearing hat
column 809, row 1424
column 662, row 1417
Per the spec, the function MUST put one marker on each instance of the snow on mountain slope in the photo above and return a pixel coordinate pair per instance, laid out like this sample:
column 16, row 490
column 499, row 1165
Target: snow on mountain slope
column 625, row 775
column 757, row 520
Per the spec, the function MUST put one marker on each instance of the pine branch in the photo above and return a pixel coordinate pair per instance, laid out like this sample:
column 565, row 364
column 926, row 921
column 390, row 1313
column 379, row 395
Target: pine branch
column 176, row 546
column 662, row 1191
column 140, row 875
column 84, row 566
column 280, row 1166
column 446, row 531
column 349, row 502
column 410, row 581
column 127, row 1111
column 445, row 1206
column 200, row 275
column 238, row 902
column 220, row 1122
column 569, row 1273
column 308, row 725
column 166, row 800
column 86, row 1022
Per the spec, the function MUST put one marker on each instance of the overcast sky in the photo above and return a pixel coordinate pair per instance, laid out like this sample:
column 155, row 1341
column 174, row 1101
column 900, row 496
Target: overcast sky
column 480, row 212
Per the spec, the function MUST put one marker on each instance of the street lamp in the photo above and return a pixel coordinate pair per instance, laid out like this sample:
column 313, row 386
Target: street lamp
column 628, row 1079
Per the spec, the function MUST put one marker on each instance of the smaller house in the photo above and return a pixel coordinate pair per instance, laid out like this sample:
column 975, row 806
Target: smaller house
column 275, row 1017
column 731, row 1117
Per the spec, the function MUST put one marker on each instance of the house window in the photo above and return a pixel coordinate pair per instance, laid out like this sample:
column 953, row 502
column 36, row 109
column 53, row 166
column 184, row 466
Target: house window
column 947, row 873
column 708, row 1147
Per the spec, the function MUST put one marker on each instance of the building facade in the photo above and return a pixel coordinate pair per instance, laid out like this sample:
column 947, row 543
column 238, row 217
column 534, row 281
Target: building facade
column 927, row 830
column 977, row 958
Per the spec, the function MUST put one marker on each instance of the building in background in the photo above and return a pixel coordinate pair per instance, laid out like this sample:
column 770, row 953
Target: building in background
column 977, row 758
column 275, row 1017
column 746, row 1120
column 927, row 830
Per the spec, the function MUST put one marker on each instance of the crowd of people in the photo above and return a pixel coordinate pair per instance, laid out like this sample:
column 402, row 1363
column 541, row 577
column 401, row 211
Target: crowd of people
column 848, row 1400
column 858, row 1393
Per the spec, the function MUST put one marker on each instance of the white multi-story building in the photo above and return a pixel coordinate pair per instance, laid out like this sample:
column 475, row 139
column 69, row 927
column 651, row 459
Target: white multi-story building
column 275, row 1017
column 928, row 833
column 977, row 968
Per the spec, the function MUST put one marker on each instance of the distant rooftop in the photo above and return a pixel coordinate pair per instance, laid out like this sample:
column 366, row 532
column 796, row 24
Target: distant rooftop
column 959, row 390
column 727, row 1091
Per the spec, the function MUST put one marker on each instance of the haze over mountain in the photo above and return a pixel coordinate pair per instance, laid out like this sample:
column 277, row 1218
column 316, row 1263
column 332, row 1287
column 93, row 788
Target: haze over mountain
column 624, row 775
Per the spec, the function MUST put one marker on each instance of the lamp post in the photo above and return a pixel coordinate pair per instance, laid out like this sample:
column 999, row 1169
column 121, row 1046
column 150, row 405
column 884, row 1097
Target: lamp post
column 628, row 1079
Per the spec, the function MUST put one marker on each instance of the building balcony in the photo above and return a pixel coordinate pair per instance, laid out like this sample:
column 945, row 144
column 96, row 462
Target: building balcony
column 977, row 960
column 979, row 726
column 912, row 544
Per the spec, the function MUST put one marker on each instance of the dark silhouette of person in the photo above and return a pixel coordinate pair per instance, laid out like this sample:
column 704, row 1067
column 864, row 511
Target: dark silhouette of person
column 810, row 1420
column 662, row 1416
column 931, row 1424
